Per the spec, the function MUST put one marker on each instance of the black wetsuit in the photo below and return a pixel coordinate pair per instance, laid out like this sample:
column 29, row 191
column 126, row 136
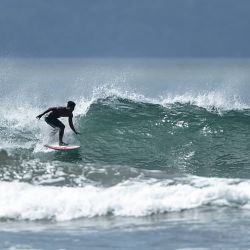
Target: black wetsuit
column 52, row 120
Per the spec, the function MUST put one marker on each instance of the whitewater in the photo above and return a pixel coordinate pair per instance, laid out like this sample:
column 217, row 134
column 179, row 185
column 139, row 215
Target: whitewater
column 164, row 154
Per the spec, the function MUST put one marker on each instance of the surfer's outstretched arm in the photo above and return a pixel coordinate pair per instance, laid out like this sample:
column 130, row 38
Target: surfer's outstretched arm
column 71, row 125
column 45, row 112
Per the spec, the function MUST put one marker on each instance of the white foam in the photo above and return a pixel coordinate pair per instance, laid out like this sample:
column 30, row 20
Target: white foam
column 213, row 99
column 219, row 99
column 22, row 247
column 132, row 198
column 23, row 130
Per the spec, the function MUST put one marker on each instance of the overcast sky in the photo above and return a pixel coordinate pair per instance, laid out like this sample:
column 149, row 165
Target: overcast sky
column 125, row 28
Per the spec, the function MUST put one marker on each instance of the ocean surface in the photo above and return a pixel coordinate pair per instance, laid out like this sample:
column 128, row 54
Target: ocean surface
column 164, row 161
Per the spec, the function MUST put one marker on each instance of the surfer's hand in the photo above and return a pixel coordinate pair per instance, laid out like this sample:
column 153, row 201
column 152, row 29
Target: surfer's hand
column 38, row 117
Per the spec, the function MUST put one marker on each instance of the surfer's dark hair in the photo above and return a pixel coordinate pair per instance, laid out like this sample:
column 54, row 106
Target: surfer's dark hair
column 71, row 104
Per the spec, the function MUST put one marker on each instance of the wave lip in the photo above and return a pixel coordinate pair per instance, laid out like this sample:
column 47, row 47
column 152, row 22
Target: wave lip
column 209, row 100
column 20, row 201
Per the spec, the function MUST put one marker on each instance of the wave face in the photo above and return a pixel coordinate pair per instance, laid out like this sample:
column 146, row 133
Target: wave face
column 179, row 138
column 141, row 154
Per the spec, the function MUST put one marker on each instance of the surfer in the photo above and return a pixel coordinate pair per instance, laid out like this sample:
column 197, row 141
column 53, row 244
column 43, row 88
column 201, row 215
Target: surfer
column 57, row 112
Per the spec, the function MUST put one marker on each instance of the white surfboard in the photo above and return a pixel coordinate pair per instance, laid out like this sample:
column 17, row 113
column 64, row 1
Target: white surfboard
column 58, row 147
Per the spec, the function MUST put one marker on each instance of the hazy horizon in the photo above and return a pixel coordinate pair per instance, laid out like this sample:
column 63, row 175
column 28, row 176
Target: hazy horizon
column 115, row 28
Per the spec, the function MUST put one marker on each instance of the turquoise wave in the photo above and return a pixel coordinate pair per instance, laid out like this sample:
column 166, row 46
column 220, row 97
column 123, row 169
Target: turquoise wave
column 175, row 139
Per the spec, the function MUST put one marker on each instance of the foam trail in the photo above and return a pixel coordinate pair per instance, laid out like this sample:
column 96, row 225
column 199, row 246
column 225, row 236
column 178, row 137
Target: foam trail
column 21, row 201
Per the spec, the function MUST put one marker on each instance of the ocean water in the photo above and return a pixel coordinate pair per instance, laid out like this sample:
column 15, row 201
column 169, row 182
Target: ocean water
column 164, row 160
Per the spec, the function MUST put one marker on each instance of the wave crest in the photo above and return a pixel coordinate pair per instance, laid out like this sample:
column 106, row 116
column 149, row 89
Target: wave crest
column 21, row 201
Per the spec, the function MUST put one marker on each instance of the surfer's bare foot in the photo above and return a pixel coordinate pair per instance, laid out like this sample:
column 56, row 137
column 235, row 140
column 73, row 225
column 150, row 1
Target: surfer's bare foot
column 63, row 144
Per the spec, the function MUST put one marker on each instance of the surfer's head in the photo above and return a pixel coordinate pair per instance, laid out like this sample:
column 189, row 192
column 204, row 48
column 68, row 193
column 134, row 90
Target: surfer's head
column 71, row 105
